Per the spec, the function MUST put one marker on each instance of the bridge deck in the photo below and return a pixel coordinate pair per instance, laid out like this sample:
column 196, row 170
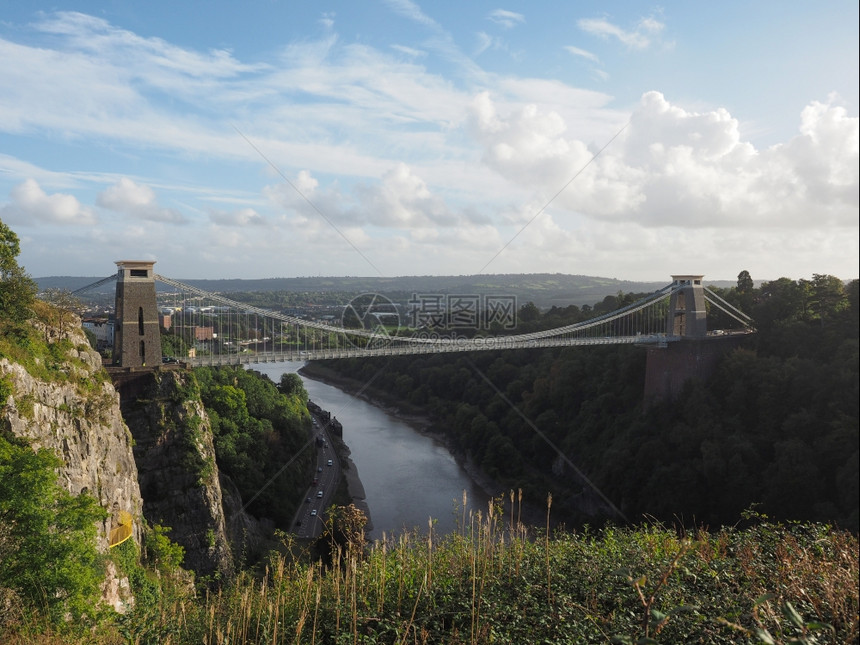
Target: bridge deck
column 465, row 345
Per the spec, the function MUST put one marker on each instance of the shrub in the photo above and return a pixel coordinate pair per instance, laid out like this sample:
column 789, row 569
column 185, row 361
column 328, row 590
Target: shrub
column 48, row 555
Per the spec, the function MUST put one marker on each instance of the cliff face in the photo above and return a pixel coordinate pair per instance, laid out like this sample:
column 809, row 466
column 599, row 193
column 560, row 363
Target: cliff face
column 176, row 466
column 156, row 441
column 79, row 419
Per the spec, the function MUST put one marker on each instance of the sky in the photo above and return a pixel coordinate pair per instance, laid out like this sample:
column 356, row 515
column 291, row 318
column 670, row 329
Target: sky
column 269, row 138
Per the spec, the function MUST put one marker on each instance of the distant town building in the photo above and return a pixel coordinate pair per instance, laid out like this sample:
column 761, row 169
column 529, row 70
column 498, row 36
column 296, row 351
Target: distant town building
column 203, row 333
column 165, row 320
column 102, row 329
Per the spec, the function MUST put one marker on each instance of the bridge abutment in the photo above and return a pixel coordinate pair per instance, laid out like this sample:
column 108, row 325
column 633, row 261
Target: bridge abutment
column 668, row 368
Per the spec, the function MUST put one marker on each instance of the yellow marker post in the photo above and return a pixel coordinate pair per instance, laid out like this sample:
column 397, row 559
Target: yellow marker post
column 121, row 533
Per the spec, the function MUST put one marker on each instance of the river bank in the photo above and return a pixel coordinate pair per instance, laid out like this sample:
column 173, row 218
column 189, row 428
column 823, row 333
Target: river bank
column 354, row 487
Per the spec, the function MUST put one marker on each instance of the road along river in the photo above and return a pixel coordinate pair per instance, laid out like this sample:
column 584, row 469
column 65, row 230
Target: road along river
column 408, row 477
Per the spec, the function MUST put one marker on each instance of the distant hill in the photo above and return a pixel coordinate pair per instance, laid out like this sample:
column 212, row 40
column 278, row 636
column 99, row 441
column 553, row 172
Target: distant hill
column 544, row 289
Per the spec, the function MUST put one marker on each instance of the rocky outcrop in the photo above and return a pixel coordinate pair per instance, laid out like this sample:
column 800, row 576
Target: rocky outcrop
column 148, row 454
column 78, row 418
column 176, row 466
column 251, row 538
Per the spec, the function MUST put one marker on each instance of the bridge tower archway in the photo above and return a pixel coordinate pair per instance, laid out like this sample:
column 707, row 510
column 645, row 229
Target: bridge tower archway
column 137, row 334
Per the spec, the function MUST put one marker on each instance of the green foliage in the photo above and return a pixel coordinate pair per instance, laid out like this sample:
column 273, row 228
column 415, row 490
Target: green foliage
column 189, row 434
column 6, row 389
column 91, row 339
column 291, row 385
column 173, row 345
column 261, row 437
column 9, row 249
column 48, row 554
column 164, row 555
column 141, row 623
column 17, row 289
column 493, row 581
column 50, row 360
column 745, row 282
column 156, row 583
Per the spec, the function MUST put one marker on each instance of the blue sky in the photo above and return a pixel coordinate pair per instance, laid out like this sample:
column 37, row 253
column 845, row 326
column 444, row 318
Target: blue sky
column 279, row 139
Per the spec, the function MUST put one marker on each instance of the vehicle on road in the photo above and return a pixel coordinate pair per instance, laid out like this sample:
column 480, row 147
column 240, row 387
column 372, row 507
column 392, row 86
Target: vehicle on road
column 313, row 512
column 330, row 463
column 319, row 493
column 307, row 500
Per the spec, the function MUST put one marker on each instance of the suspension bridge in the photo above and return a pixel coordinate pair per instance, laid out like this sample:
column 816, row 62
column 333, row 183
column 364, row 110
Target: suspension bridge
column 212, row 329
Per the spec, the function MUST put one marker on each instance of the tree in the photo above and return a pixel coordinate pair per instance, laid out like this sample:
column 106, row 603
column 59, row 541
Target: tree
column 48, row 555
column 529, row 312
column 828, row 296
column 17, row 289
column 9, row 250
column 291, row 385
column 745, row 282
column 63, row 310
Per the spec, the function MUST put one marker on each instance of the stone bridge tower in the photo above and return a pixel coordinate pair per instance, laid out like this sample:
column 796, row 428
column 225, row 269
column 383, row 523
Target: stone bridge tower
column 137, row 334
column 688, row 317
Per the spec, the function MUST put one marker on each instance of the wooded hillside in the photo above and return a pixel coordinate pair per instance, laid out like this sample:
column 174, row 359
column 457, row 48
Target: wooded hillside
column 776, row 426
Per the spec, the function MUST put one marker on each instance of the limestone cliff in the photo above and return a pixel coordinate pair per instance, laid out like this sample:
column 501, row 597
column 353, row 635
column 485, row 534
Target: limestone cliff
column 73, row 410
column 176, row 465
column 156, row 439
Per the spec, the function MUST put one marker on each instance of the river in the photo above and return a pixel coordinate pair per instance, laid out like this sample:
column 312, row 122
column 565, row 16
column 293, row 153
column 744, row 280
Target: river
column 408, row 477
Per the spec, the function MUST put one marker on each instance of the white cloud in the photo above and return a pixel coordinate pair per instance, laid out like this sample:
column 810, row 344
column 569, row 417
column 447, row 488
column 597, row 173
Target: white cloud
column 137, row 201
column 412, row 11
column 240, row 218
column 327, row 19
column 646, row 33
column 507, row 19
column 409, row 51
column 485, row 41
column 672, row 167
column 98, row 37
column 576, row 51
column 399, row 200
column 528, row 146
column 403, row 200
column 30, row 205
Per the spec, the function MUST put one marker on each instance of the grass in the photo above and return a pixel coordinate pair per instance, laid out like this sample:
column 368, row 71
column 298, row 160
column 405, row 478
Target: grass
column 495, row 581
column 43, row 349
